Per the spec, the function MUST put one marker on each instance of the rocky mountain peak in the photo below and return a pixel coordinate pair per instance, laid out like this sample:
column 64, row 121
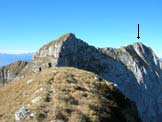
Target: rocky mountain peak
column 138, row 47
column 141, row 54
column 138, row 44
column 68, row 36
column 141, row 48
column 147, row 54
column 67, row 50
column 135, row 69
column 54, row 47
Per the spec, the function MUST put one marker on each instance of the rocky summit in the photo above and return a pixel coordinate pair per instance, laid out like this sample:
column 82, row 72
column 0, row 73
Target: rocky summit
column 65, row 95
column 141, row 81
column 134, row 69
column 9, row 72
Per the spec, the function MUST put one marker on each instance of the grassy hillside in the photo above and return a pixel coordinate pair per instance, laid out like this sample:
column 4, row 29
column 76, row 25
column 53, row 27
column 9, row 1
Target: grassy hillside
column 65, row 95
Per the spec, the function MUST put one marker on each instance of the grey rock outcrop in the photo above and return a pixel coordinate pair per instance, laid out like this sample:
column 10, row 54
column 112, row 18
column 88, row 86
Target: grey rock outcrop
column 8, row 73
column 23, row 113
column 144, row 85
column 134, row 69
column 66, row 51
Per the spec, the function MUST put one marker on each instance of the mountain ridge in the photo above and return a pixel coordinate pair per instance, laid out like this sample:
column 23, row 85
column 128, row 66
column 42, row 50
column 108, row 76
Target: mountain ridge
column 134, row 69
column 65, row 94
column 9, row 72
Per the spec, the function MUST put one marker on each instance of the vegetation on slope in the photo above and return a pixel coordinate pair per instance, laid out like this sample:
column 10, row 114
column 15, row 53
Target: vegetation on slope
column 66, row 95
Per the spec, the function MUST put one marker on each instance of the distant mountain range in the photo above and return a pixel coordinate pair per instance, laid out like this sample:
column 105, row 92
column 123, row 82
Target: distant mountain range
column 6, row 59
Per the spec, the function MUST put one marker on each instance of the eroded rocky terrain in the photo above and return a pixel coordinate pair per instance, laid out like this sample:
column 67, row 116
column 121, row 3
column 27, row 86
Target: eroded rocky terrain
column 134, row 69
column 8, row 73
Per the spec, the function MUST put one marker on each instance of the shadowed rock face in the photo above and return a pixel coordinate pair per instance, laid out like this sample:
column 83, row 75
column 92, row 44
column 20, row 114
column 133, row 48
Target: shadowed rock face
column 135, row 69
column 9, row 72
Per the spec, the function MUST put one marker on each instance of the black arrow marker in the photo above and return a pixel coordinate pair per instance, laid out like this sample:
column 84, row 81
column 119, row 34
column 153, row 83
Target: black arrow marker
column 138, row 32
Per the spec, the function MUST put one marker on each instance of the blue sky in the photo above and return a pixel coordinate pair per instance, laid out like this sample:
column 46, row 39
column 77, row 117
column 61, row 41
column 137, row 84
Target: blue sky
column 26, row 25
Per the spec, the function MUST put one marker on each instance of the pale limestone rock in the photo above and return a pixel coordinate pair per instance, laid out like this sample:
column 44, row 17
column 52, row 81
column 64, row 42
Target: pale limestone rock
column 10, row 72
column 36, row 99
column 29, row 81
column 21, row 114
column 40, row 89
column 33, row 114
column 135, row 69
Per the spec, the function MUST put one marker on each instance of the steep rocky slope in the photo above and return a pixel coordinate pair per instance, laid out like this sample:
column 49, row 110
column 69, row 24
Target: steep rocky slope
column 9, row 72
column 144, row 85
column 65, row 95
column 135, row 69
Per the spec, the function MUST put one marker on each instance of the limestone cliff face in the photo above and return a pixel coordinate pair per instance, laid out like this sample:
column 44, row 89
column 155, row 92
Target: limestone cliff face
column 65, row 51
column 144, row 84
column 9, row 72
column 134, row 69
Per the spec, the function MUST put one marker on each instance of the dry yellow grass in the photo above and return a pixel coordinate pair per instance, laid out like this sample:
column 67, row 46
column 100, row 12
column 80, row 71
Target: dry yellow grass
column 67, row 95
